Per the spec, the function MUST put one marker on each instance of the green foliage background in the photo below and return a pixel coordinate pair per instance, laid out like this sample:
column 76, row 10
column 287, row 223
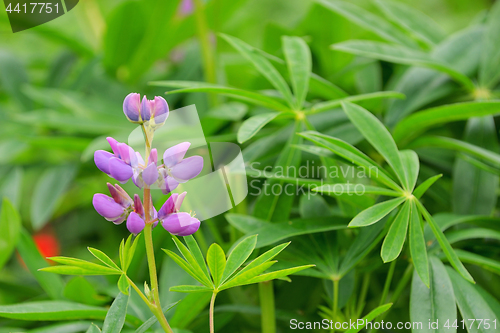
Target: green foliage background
column 62, row 85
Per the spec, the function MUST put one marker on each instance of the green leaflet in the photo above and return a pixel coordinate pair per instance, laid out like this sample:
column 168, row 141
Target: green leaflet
column 57, row 310
column 368, row 21
column 353, row 155
column 401, row 55
column 434, row 302
column 372, row 315
column 263, row 66
column 298, row 59
column 375, row 213
column 422, row 188
column 52, row 284
column 445, row 245
column 340, row 189
column 329, row 105
column 272, row 232
column 10, row 228
column 411, row 165
column 418, row 248
column 102, row 257
column 379, row 137
column 253, row 125
column 216, row 260
column 474, row 189
column 412, row 126
column 471, row 302
column 115, row 318
column 243, row 95
column 489, row 65
column 73, row 266
column 395, row 239
column 238, row 256
column 49, row 188
column 417, row 25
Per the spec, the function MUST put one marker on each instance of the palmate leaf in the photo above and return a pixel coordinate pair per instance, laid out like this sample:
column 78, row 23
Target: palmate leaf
column 401, row 55
column 197, row 255
column 187, row 268
column 298, row 60
column 193, row 263
column 379, row 137
column 434, row 302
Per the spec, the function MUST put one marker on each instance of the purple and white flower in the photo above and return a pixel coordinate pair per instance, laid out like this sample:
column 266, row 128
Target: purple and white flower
column 153, row 111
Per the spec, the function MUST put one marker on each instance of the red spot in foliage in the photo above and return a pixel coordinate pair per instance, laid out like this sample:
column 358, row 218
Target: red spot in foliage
column 47, row 244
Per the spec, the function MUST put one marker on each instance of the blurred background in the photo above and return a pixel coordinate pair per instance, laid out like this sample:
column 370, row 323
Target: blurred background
column 62, row 86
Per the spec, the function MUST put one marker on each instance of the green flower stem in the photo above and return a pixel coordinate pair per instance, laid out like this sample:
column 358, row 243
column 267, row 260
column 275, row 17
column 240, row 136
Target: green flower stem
column 397, row 292
column 335, row 302
column 143, row 297
column 388, row 281
column 207, row 51
column 212, row 304
column 156, row 306
column 268, row 318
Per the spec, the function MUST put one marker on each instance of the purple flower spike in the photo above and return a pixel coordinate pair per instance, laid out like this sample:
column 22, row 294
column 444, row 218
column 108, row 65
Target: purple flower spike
column 181, row 224
column 132, row 108
column 107, row 207
column 135, row 223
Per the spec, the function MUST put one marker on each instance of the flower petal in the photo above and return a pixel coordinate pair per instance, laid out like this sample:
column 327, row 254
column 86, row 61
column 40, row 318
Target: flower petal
column 101, row 159
column 119, row 195
column 168, row 185
column 137, row 179
column 175, row 223
column 187, row 169
column 159, row 110
column 153, row 156
column 145, row 108
column 120, row 170
column 175, row 154
column 106, row 206
column 114, row 146
column 191, row 228
column 150, row 174
column 168, row 206
column 179, row 200
column 138, row 208
column 135, row 223
column 131, row 107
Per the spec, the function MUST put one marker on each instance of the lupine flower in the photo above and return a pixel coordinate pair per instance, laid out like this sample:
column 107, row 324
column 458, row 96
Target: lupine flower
column 181, row 224
column 153, row 111
column 126, row 164
column 176, row 169
column 186, row 7
column 114, row 208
